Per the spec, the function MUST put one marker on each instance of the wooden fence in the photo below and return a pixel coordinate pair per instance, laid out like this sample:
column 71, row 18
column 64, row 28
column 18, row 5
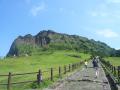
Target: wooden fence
column 114, row 70
column 39, row 75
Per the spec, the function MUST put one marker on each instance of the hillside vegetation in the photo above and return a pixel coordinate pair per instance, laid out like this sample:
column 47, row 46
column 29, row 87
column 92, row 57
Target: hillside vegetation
column 50, row 40
column 45, row 50
column 114, row 60
column 43, row 61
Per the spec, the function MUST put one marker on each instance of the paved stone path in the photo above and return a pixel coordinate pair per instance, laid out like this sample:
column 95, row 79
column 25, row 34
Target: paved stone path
column 84, row 80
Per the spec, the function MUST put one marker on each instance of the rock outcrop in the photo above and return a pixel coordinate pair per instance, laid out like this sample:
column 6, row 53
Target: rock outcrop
column 29, row 44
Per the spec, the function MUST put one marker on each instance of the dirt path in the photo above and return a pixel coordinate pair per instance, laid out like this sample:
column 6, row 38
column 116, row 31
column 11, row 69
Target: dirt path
column 84, row 80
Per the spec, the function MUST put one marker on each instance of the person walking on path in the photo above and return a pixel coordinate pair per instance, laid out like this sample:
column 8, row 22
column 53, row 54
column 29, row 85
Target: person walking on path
column 85, row 68
column 95, row 66
column 86, row 63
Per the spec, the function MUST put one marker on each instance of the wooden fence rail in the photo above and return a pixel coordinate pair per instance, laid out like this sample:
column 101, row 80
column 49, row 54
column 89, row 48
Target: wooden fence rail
column 115, row 70
column 39, row 79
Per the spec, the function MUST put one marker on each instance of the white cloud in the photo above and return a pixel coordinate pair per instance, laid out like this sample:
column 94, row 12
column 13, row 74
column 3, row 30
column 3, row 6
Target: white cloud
column 99, row 10
column 103, row 14
column 98, row 13
column 108, row 33
column 94, row 14
column 67, row 11
column 37, row 9
column 113, row 1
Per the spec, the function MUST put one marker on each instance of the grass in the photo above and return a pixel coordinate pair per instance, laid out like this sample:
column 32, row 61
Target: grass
column 44, row 61
column 114, row 60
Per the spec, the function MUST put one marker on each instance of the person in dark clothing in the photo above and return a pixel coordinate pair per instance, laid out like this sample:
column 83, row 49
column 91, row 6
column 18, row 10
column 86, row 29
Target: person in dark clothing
column 95, row 66
column 95, row 63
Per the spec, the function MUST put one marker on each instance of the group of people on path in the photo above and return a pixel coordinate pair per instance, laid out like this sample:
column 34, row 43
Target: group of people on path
column 95, row 62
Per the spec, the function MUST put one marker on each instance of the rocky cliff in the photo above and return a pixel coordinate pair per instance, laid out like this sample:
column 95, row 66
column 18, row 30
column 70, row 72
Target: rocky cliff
column 47, row 40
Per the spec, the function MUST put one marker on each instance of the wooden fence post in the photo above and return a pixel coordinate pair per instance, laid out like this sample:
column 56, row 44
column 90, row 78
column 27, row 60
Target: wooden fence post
column 39, row 77
column 9, row 81
column 112, row 68
column 59, row 72
column 64, row 69
column 51, row 74
column 69, row 67
column 75, row 65
column 114, row 71
column 118, row 73
column 72, row 67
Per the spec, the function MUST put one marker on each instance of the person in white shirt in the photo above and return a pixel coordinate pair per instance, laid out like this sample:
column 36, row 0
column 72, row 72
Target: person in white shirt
column 85, row 63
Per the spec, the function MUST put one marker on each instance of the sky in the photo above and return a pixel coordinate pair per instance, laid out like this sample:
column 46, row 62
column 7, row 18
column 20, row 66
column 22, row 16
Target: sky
column 94, row 19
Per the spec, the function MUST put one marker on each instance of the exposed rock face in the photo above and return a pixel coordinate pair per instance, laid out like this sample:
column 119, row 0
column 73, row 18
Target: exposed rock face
column 27, row 39
column 28, row 43
column 40, row 40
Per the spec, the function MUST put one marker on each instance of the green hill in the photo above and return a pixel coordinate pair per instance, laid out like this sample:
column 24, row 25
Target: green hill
column 43, row 61
column 50, row 40
column 113, row 60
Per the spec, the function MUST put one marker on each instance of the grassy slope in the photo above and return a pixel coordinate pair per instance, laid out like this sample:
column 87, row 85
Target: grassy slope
column 114, row 60
column 34, row 63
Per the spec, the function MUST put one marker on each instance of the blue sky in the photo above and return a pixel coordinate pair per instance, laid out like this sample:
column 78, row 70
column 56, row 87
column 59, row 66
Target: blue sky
column 95, row 19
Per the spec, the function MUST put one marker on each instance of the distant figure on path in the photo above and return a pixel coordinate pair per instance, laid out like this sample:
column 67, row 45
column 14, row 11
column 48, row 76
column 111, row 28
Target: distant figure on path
column 85, row 63
column 95, row 66
column 85, row 68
